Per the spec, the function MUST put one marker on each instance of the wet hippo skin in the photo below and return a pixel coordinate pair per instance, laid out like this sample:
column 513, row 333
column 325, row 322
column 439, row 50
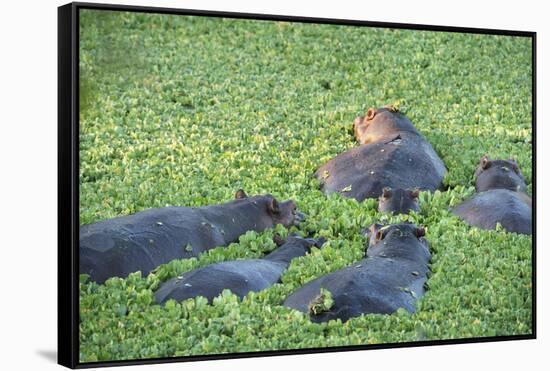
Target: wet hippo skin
column 500, row 198
column 486, row 209
column 239, row 276
column 392, row 276
column 392, row 153
column 145, row 240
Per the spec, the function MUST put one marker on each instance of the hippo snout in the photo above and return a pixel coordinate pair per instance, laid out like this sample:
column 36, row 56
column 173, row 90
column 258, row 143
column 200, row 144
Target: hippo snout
column 298, row 218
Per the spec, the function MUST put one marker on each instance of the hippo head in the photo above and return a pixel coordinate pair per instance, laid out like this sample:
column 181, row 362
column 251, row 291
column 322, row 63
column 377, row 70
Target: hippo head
column 381, row 123
column 296, row 239
column 292, row 247
column 285, row 212
column 493, row 174
column 398, row 201
column 384, row 238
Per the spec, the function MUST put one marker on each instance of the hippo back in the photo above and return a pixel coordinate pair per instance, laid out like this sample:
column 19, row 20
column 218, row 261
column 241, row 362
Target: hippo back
column 509, row 208
column 392, row 276
column 240, row 276
column 145, row 240
column 404, row 161
column 142, row 241
column 371, row 285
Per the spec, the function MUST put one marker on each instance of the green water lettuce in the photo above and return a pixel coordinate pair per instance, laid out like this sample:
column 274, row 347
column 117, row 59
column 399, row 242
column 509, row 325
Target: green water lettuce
column 186, row 110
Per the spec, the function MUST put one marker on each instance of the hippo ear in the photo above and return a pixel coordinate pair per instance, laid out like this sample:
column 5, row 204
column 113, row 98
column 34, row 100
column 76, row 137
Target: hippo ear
column 485, row 163
column 373, row 228
column 279, row 241
column 420, row 232
column 415, row 193
column 386, row 192
column 273, row 206
column 379, row 235
column 370, row 113
column 240, row 194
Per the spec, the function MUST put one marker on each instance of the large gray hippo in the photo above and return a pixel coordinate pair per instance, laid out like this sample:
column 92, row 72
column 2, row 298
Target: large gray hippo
column 501, row 198
column 392, row 276
column 145, row 240
column 392, row 153
column 239, row 276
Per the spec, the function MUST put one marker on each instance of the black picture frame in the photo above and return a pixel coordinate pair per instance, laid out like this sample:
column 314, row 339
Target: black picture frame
column 68, row 183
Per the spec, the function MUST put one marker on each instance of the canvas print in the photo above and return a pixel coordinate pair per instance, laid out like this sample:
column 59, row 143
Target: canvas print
column 256, row 185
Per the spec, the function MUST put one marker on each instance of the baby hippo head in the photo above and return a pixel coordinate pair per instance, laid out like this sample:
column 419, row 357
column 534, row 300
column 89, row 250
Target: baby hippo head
column 396, row 236
column 285, row 212
column 398, row 201
column 493, row 174
column 381, row 123
column 292, row 247
column 296, row 239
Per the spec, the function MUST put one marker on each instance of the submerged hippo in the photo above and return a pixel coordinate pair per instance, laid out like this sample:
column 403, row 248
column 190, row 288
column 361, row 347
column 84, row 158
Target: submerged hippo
column 145, row 240
column 239, row 276
column 499, row 174
column 392, row 153
column 398, row 201
column 392, row 276
column 500, row 198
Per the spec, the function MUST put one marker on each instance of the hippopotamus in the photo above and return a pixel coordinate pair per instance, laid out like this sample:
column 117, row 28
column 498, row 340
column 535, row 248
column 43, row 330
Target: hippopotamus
column 499, row 174
column 239, row 276
column 391, row 153
column 391, row 276
column 398, row 201
column 501, row 198
column 143, row 241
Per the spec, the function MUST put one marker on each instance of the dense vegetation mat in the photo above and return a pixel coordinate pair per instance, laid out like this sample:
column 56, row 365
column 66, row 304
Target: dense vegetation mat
column 186, row 110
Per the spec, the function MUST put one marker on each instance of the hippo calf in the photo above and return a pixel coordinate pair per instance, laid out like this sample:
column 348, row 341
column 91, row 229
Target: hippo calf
column 145, row 240
column 239, row 276
column 500, row 198
column 392, row 153
column 398, row 201
column 392, row 276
